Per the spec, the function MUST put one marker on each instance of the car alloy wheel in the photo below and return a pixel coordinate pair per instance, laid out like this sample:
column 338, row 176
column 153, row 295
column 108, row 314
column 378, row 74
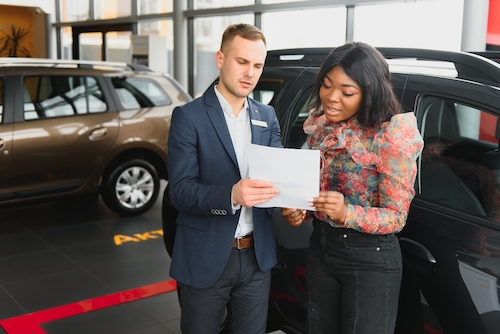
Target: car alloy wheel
column 132, row 187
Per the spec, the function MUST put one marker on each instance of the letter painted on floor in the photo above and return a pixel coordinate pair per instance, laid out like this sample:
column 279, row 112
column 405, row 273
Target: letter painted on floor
column 120, row 239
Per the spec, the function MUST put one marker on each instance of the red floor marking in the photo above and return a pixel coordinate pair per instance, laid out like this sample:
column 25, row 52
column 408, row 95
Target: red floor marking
column 30, row 323
column 431, row 330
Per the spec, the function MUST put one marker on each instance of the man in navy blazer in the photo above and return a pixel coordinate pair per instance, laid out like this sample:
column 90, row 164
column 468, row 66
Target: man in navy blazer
column 224, row 247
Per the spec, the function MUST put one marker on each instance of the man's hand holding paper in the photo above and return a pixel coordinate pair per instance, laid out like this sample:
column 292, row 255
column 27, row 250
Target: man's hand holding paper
column 294, row 172
column 249, row 192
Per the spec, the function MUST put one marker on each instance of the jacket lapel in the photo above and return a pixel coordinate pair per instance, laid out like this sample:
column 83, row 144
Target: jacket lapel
column 216, row 115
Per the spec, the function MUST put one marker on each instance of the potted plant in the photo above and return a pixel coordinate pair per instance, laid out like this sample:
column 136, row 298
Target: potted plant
column 16, row 42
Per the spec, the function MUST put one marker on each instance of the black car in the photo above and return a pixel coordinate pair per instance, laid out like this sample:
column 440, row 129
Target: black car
column 451, row 243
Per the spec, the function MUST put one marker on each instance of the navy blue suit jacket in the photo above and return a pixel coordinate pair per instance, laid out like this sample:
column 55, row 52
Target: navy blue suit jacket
column 203, row 168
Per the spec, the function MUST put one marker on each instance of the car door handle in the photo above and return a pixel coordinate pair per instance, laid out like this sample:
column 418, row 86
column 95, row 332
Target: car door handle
column 98, row 133
column 416, row 249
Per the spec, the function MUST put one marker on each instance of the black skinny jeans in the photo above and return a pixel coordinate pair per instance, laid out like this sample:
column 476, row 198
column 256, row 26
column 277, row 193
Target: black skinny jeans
column 353, row 281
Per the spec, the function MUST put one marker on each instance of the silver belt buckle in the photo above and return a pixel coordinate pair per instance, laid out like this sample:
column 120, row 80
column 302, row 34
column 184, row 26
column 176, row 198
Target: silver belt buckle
column 238, row 245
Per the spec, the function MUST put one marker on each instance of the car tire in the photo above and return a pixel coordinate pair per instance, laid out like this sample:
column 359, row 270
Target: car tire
column 131, row 188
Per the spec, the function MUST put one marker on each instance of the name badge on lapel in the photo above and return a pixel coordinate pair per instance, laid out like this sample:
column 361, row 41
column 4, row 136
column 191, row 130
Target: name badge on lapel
column 256, row 122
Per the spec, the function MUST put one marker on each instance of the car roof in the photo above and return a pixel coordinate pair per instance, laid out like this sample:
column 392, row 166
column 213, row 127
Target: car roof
column 473, row 66
column 14, row 62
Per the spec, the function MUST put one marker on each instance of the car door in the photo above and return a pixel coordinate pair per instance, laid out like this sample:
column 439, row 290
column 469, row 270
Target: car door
column 288, row 291
column 5, row 139
column 451, row 241
column 62, row 133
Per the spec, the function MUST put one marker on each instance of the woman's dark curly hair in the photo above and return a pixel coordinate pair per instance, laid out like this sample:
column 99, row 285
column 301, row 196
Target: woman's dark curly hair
column 367, row 67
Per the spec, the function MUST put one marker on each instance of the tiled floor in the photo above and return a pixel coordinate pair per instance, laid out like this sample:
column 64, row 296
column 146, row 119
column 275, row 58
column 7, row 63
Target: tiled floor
column 70, row 260
column 64, row 252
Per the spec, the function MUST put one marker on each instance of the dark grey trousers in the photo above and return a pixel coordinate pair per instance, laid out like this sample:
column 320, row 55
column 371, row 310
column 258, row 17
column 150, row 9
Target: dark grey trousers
column 242, row 286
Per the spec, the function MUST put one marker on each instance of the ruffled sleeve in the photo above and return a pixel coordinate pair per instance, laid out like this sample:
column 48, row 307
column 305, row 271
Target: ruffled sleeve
column 397, row 144
column 394, row 151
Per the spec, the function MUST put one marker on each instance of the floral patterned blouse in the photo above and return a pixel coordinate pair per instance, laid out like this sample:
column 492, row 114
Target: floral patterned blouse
column 374, row 169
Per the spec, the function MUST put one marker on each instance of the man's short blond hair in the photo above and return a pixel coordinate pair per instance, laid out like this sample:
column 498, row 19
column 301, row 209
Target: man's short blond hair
column 244, row 30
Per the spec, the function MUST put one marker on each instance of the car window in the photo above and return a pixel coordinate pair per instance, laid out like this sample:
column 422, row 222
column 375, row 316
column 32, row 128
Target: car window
column 264, row 96
column 295, row 137
column 1, row 100
column 460, row 164
column 267, row 90
column 95, row 97
column 140, row 93
column 55, row 96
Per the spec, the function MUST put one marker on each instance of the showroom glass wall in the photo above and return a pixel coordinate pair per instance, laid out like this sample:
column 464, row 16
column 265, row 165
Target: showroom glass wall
column 425, row 24
column 118, row 44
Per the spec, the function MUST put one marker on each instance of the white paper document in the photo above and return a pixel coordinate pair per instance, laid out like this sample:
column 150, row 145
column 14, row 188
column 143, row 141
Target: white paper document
column 295, row 172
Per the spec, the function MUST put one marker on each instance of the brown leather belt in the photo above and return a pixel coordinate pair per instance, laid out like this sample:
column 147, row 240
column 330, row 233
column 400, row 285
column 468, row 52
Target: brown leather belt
column 243, row 242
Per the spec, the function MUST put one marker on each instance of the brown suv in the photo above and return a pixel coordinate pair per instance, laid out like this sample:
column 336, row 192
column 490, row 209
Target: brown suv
column 75, row 127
